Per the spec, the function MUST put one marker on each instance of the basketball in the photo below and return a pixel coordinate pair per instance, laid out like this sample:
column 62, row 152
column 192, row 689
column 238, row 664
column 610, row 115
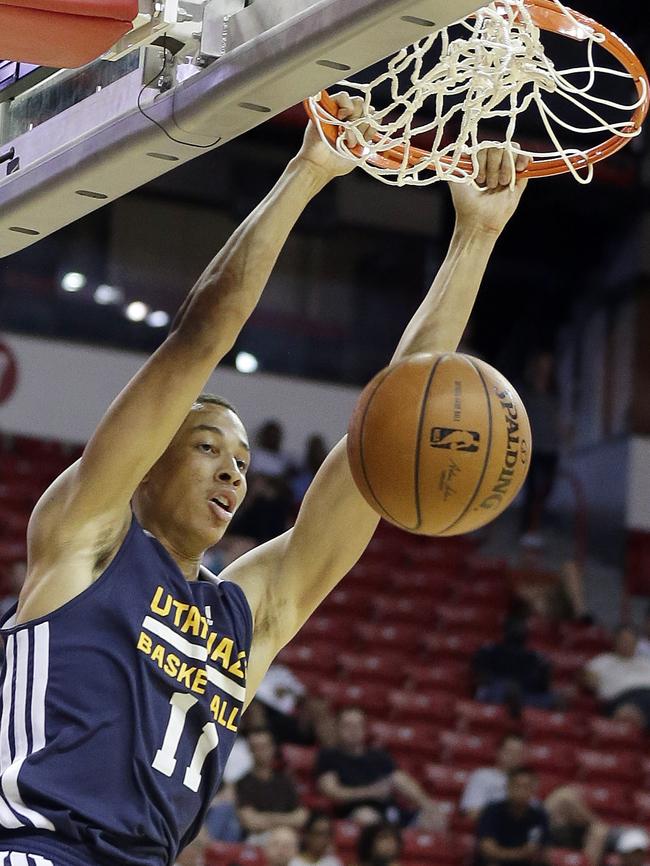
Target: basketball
column 439, row 444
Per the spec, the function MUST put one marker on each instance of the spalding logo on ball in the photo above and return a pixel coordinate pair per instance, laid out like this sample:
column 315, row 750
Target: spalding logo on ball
column 439, row 444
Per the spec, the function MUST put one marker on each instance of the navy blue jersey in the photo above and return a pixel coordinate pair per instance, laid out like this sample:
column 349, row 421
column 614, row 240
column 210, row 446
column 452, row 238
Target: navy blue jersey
column 119, row 711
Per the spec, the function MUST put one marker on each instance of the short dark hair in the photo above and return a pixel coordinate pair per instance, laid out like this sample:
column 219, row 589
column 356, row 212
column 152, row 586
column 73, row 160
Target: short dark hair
column 512, row 735
column 521, row 771
column 314, row 818
column 368, row 837
column 216, row 400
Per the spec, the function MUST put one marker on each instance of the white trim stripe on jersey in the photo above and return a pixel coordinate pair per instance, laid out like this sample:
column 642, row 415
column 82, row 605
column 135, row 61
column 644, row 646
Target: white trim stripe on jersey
column 35, row 723
column 17, row 858
column 194, row 651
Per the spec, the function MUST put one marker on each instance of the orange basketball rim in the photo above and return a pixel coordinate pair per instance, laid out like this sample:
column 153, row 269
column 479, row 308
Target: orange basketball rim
column 548, row 17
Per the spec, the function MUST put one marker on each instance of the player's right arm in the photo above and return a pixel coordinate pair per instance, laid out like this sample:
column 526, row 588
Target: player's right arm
column 83, row 517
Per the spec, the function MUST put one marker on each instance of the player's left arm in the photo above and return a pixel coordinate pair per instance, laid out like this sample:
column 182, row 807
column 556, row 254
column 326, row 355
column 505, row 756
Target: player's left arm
column 287, row 578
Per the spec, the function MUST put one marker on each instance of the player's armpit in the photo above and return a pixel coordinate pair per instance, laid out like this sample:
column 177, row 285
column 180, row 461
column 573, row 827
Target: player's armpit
column 286, row 579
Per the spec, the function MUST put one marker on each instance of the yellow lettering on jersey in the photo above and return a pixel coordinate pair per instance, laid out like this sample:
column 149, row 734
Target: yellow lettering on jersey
column 180, row 607
column 220, row 709
column 172, row 665
column 204, row 629
column 211, row 639
column 236, row 668
column 200, row 681
column 185, row 675
column 230, row 724
column 144, row 643
column 223, row 651
column 192, row 622
column 158, row 655
column 156, row 607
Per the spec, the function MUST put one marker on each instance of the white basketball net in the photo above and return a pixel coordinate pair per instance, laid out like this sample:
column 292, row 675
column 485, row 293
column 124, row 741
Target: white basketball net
column 499, row 70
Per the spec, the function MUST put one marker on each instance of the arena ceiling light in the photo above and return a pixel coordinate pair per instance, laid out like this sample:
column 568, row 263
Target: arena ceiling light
column 136, row 311
column 73, row 281
column 246, row 363
column 105, row 294
column 158, row 319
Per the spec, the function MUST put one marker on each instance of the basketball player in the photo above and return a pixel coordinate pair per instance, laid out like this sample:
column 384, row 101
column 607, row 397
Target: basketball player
column 128, row 665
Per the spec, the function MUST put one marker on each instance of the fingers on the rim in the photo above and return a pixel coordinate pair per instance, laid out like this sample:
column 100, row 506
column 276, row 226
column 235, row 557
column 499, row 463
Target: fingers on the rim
column 493, row 167
column 481, row 159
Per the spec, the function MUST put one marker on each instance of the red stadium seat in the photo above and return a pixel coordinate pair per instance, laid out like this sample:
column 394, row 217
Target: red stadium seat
column 421, row 706
column 544, row 725
column 605, row 766
column 388, row 668
column 346, row 836
column 467, row 750
column 484, row 593
column 551, row 757
column 389, row 636
column 299, row 759
column 548, row 782
column 566, row 857
column 228, row 853
column 610, row 732
column 412, row 609
column 459, row 617
column 353, row 602
column 488, row 568
column 62, row 33
column 438, row 848
column 370, row 697
column 476, row 716
column 314, row 657
column 450, row 676
column 406, row 740
column 452, row 646
column 445, row 781
column 321, row 627
column 417, row 582
column 642, row 805
column 610, row 801
column 592, row 639
column 568, row 661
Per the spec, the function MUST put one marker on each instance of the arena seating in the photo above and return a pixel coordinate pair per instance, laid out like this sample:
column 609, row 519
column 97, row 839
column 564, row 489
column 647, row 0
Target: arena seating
column 396, row 639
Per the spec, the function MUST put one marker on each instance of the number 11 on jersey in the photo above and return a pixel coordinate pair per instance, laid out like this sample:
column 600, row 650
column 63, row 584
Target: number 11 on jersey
column 165, row 760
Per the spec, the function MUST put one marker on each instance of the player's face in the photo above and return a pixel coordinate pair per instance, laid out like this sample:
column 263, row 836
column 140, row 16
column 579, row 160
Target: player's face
column 200, row 481
column 626, row 643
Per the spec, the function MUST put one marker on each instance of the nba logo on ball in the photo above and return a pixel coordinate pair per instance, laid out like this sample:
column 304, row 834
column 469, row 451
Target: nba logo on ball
column 439, row 444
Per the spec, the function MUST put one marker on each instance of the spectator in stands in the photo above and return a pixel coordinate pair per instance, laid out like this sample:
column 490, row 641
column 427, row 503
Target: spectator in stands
column 643, row 644
column 317, row 843
column 281, row 846
column 632, row 848
column 315, row 453
column 540, row 397
column 572, row 823
column 290, row 712
column 621, row 680
column 379, row 845
column 490, row 784
column 542, row 590
column 362, row 781
column 266, row 797
column 268, row 504
column 514, row 832
column 509, row 673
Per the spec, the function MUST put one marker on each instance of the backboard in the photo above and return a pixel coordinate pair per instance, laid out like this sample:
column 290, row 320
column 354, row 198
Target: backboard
column 74, row 140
